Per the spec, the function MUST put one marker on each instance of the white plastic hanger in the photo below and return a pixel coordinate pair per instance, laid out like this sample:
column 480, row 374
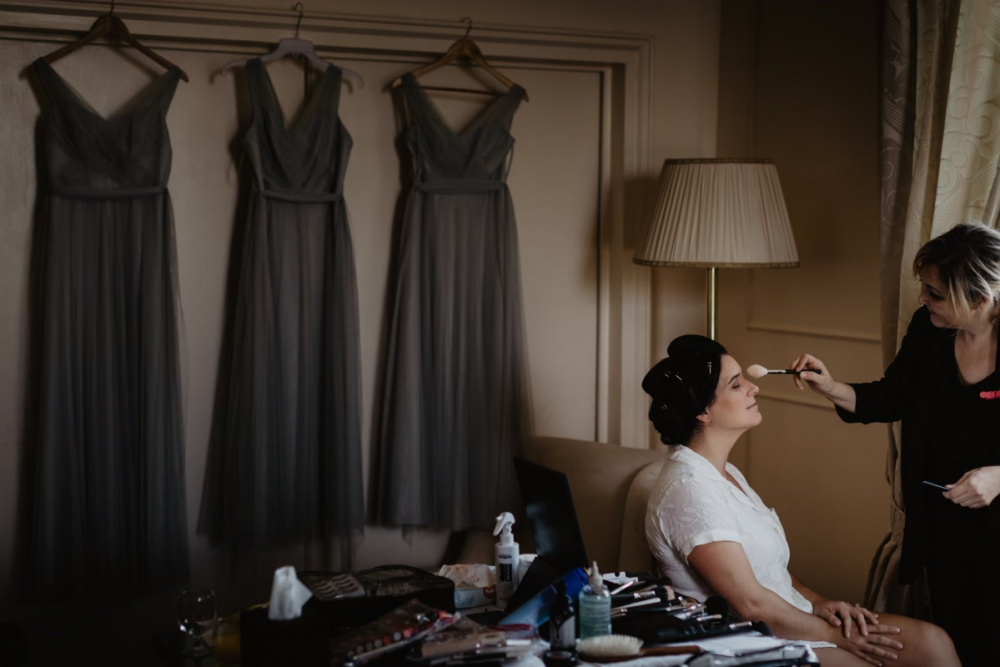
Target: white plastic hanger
column 294, row 46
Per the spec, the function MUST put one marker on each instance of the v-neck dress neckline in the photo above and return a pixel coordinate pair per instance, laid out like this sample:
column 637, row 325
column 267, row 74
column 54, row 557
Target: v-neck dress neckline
column 307, row 111
column 141, row 101
column 476, row 124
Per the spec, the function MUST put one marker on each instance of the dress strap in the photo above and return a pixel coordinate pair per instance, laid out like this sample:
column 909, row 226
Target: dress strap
column 164, row 89
column 335, row 76
column 255, row 83
column 50, row 83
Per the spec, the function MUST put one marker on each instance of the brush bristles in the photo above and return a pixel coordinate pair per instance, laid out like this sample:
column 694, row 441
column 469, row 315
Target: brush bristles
column 608, row 646
column 756, row 371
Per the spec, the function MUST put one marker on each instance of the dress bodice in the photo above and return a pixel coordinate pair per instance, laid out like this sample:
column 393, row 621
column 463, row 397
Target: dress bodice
column 88, row 154
column 440, row 155
column 308, row 159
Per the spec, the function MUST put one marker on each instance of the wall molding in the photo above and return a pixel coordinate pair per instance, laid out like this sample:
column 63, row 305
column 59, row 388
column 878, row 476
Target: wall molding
column 625, row 62
column 814, row 332
column 204, row 26
column 807, row 400
column 756, row 324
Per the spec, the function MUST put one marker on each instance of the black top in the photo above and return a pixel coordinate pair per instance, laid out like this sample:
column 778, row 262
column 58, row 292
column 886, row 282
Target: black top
column 947, row 430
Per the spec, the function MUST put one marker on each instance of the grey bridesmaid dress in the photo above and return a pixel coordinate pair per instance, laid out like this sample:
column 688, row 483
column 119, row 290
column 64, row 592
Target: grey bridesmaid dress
column 287, row 467
column 454, row 402
column 108, row 510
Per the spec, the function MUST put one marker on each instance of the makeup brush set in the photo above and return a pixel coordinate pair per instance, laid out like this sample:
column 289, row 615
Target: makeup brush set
column 656, row 614
column 649, row 619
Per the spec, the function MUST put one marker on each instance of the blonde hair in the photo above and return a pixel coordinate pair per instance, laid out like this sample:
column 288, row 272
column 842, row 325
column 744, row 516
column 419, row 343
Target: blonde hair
column 967, row 259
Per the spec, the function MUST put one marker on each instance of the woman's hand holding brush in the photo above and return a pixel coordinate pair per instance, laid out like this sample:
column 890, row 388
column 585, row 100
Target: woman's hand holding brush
column 809, row 371
column 812, row 372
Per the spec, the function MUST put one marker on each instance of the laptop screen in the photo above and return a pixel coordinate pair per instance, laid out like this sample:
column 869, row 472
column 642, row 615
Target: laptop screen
column 548, row 503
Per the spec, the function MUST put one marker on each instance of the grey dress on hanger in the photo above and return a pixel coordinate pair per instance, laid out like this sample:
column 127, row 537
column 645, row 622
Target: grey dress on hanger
column 455, row 395
column 287, row 467
column 109, row 511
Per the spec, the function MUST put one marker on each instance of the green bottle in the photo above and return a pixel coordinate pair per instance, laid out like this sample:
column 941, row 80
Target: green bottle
column 595, row 606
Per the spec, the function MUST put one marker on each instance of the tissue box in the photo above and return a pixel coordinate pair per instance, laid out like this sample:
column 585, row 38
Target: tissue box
column 303, row 641
column 467, row 597
column 475, row 584
column 385, row 588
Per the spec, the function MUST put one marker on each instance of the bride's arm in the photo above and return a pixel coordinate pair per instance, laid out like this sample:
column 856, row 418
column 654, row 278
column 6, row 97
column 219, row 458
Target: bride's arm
column 726, row 570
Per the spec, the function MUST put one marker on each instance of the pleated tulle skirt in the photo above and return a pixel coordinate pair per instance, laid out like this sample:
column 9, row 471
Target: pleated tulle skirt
column 453, row 412
column 109, row 511
column 286, row 466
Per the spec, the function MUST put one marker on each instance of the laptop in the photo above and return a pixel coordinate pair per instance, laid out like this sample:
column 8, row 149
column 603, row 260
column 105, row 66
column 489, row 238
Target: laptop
column 548, row 503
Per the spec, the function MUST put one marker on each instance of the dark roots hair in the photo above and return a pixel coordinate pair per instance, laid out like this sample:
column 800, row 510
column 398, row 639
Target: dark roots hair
column 967, row 258
column 683, row 386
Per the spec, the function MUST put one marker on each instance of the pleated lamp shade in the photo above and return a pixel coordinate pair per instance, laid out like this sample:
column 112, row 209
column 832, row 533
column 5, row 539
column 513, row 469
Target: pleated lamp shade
column 719, row 213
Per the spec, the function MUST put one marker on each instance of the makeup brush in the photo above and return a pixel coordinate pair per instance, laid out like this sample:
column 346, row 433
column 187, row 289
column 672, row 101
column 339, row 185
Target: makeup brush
column 758, row 371
column 660, row 592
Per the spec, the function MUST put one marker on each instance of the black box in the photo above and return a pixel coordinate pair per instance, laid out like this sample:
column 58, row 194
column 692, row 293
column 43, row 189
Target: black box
column 384, row 588
column 303, row 641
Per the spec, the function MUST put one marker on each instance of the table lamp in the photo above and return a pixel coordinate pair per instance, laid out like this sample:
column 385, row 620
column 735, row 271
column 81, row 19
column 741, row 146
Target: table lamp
column 719, row 213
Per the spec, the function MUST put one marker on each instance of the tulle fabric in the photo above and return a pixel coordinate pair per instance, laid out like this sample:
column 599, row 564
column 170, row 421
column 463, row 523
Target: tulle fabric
column 287, row 466
column 108, row 510
column 455, row 395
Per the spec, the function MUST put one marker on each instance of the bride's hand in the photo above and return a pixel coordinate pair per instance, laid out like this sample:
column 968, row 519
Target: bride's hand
column 843, row 615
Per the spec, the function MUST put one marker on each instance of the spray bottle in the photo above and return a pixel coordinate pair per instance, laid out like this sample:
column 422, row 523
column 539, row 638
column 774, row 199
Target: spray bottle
column 508, row 553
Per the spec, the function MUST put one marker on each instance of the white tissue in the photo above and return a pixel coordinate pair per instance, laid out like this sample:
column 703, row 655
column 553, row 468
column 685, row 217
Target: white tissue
column 469, row 576
column 288, row 594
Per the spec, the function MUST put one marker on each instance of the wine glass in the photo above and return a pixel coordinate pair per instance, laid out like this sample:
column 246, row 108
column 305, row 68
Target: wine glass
column 196, row 618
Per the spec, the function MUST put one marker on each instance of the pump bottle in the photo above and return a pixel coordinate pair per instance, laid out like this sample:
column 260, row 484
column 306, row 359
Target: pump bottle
column 562, row 620
column 507, row 553
column 595, row 606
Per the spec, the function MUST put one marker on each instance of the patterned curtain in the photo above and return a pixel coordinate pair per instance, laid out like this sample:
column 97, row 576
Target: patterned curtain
column 940, row 136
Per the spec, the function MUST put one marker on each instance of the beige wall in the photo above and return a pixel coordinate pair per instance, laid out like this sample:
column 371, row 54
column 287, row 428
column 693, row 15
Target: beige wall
column 799, row 84
column 562, row 209
column 788, row 80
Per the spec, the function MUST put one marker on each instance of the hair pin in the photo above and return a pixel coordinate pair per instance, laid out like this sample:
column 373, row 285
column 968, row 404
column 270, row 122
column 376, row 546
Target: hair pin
column 673, row 374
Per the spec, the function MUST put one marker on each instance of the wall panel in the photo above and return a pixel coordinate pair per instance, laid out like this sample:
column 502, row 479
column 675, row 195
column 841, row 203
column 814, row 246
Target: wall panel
column 801, row 88
column 583, row 137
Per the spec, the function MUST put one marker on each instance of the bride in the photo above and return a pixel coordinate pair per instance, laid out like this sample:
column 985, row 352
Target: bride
column 713, row 535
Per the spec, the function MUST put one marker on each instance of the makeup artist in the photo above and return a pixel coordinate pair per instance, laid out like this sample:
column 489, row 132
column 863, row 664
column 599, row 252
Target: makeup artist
column 943, row 386
column 711, row 533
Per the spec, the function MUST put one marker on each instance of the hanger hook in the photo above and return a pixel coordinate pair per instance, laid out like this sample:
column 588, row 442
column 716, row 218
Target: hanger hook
column 112, row 10
column 302, row 11
column 468, row 27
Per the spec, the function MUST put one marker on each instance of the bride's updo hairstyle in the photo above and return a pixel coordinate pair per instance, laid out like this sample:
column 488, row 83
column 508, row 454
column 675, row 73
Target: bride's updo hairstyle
column 683, row 386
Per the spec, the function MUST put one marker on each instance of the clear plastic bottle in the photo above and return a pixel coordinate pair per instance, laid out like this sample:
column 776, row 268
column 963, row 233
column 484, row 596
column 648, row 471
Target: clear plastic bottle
column 595, row 606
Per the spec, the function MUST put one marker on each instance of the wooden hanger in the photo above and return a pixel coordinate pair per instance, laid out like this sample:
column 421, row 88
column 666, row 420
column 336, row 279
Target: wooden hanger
column 112, row 27
column 463, row 48
column 293, row 46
